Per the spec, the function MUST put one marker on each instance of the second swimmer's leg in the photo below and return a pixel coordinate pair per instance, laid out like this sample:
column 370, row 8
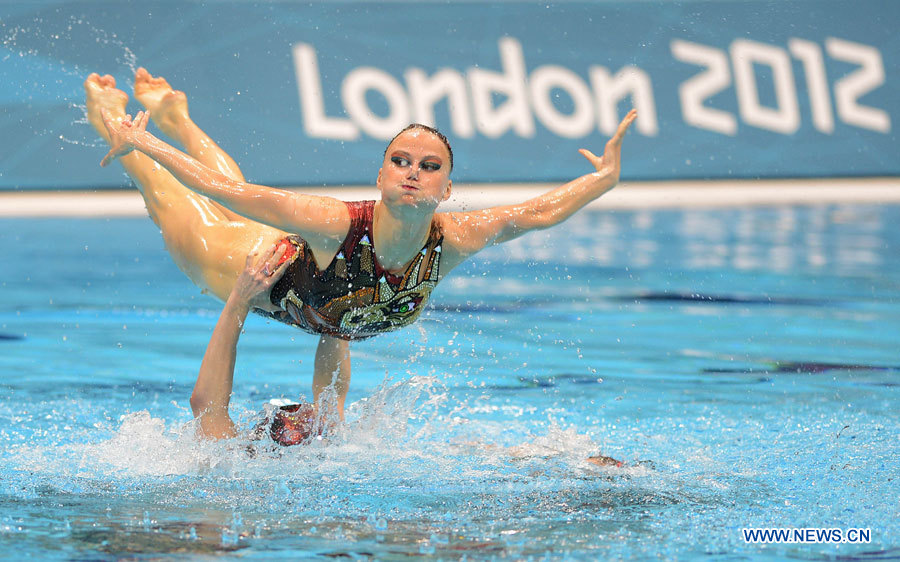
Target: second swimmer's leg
column 331, row 379
column 169, row 111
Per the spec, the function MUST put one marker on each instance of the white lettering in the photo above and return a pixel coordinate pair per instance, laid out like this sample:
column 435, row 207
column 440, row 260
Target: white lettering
column 855, row 85
column 353, row 93
column 694, row 91
column 810, row 55
column 610, row 90
column 785, row 117
column 577, row 124
column 473, row 106
column 312, row 104
column 425, row 92
column 514, row 113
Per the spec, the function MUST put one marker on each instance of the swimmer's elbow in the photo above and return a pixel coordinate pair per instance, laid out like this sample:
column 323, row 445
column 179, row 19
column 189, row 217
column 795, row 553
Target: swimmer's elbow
column 200, row 403
column 523, row 222
column 215, row 427
column 212, row 418
column 197, row 404
column 536, row 218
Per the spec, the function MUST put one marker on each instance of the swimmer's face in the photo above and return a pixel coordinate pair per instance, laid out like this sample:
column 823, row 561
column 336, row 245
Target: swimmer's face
column 416, row 170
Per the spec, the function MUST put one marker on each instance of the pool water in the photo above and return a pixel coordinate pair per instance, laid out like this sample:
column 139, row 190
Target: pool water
column 742, row 362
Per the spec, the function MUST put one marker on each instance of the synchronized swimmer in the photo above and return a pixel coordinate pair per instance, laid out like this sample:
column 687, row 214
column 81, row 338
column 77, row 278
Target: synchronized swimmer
column 259, row 248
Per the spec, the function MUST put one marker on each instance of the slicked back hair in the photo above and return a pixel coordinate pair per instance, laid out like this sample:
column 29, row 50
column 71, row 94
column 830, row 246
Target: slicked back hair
column 431, row 130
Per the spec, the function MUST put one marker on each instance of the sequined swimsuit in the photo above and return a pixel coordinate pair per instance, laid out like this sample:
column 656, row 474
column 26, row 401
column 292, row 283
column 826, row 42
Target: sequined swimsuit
column 354, row 297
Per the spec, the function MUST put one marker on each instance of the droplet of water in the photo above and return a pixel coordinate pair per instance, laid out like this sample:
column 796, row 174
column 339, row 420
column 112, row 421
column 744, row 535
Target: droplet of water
column 282, row 489
column 229, row 537
column 438, row 539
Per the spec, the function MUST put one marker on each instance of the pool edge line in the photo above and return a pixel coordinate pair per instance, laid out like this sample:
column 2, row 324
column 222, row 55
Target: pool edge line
column 626, row 196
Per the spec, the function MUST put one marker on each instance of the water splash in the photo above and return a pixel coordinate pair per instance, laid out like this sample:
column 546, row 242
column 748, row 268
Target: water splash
column 393, row 476
column 39, row 57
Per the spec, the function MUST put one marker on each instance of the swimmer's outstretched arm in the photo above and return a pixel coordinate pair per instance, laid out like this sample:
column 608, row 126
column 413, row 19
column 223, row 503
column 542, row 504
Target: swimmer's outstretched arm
column 469, row 232
column 212, row 391
column 313, row 217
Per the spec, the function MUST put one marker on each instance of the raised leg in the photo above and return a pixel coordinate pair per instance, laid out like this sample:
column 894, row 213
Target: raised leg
column 208, row 246
column 169, row 111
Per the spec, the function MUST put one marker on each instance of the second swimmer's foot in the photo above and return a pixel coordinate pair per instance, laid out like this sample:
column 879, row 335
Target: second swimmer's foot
column 601, row 460
column 101, row 93
column 168, row 108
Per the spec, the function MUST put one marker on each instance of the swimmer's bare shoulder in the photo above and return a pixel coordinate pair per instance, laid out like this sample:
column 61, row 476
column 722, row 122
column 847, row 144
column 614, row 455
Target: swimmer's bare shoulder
column 318, row 219
column 460, row 240
column 467, row 233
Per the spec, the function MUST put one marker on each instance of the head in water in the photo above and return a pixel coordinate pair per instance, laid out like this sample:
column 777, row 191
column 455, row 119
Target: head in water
column 293, row 424
column 416, row 168
column 289, row 423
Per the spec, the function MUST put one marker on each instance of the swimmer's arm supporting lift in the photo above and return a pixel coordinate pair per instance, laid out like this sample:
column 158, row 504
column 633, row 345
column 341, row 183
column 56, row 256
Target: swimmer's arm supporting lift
column 212, row 391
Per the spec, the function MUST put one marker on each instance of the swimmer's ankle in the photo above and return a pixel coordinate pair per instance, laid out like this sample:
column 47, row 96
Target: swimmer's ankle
column 168, row 107
column 183, row 129
column 176, row 125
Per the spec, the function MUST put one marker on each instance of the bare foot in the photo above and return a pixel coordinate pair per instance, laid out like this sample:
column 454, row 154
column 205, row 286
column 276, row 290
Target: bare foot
column 600, row 460
column 102, row 94
column 168, row 108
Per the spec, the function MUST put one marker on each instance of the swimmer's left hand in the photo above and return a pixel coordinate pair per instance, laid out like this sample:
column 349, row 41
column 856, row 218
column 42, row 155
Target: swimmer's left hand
column 610, row 164
column 122, row 133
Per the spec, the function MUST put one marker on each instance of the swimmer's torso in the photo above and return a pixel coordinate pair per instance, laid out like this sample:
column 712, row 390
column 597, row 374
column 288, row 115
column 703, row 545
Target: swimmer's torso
column 354, row 298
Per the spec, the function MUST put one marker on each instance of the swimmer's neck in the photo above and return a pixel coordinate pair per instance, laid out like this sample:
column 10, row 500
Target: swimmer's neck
column 398, row 237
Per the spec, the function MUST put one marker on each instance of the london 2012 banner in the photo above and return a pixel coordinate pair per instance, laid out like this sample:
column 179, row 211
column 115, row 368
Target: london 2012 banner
column 309, row 94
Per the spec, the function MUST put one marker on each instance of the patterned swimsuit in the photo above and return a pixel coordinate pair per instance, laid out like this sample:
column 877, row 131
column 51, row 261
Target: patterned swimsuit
column 354, row 297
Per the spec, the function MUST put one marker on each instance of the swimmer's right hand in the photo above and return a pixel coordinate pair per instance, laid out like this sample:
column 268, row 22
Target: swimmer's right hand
column 261, row 272
column 122, row 133
column 610, row 164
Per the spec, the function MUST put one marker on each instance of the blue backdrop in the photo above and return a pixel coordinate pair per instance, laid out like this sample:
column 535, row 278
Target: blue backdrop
column 305, row 94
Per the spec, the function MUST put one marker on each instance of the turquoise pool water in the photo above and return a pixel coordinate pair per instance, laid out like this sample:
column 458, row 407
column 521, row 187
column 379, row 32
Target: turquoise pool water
column 744, row 363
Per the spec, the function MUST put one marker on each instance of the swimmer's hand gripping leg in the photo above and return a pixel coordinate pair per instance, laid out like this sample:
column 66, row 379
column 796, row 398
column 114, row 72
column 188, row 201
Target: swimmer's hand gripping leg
column 212, row 391
column 122, row 134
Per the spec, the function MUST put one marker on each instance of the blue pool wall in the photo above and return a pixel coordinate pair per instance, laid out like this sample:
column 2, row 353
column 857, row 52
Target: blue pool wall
column 308, row 94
